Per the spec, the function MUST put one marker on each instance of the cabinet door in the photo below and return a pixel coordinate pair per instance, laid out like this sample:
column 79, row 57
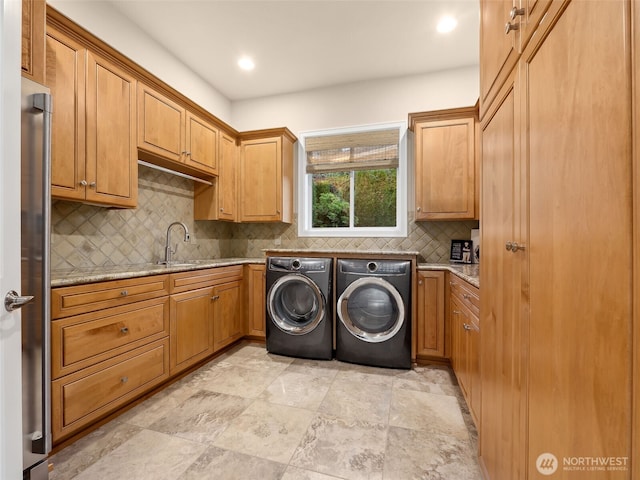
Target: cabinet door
column 191, row 328
column 66, row 80
column 498, row 51
column 445, row 169
column 112, row 167
column 430, row 317
column 160, row 124
column 459, row 354
column 256, row 297
column 580, row 194
column 228, row 315
column 261, row 180
column 473, row 359
column 33, row 40
column 501, row 448
column 202, row 145
column 227, row 179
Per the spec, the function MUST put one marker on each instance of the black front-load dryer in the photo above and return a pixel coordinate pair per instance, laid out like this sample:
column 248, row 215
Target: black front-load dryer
column 299, row 313
column 374, row 312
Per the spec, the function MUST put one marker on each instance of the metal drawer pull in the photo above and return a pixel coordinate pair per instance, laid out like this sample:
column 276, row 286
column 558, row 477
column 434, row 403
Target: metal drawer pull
column 124, row 329
column 124, row 293
column 466, row 326
column 510, row 26
column 515, row 12
column 515, row 247
column 124, row 379
column 215, row 297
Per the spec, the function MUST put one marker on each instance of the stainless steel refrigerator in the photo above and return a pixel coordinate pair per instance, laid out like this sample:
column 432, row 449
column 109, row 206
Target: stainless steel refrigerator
column 35, row 260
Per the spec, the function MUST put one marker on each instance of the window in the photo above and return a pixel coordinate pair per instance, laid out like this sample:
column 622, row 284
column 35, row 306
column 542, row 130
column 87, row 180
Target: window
column 353, row 182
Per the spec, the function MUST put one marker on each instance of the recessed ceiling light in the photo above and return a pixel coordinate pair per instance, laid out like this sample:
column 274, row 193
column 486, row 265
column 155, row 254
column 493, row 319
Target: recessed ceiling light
column 245, row 63
column 446, row 24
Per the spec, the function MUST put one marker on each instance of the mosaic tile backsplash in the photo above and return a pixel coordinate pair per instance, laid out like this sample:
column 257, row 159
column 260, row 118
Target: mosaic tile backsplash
column 89, row 236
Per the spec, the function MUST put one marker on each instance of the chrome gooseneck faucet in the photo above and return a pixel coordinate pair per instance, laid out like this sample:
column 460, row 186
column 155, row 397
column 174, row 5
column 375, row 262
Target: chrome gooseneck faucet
column 168, row 252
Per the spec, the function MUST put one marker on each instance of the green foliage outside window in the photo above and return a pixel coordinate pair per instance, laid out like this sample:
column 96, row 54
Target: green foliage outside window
column 374, row 202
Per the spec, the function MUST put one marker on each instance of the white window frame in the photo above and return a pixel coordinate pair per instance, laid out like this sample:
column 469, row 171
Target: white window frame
column 305, row 216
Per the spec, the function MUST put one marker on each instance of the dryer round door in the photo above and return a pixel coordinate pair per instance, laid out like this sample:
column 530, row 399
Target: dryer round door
column 371, row 309
column 295, row 304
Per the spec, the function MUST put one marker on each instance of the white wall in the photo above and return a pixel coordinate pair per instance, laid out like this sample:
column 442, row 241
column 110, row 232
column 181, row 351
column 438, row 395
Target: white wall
column 108, row 24
column 360, row 103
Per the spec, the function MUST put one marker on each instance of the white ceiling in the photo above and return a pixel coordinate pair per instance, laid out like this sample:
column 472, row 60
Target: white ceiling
column 305, row 44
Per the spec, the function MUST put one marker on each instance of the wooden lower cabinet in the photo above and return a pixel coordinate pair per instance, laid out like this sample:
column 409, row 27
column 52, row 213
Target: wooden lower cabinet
column 191, row 328
column 464, row 302
column 255, row 300
column 228, row 320
column 83, row 397
column 431, row 314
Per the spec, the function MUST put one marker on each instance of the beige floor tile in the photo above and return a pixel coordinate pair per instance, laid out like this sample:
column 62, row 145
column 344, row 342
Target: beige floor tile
column 415, row 454
column 219, row 464
column 414, row 380
column 156, row 407
column 319, row 368
column 350, row 449
column 358, row 400
column 295, row 473
column 147, row 455
column 429, row 412
column 303, row 390
column 234, row 380
column 266, row 430
column 202, row 417
column 366, row 375
column 76, row 458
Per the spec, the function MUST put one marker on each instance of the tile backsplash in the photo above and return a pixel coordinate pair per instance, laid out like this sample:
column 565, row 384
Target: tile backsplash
column 89, row 236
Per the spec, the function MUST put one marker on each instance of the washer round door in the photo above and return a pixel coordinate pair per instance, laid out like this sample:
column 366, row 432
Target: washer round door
column 371, row 309
column 295, row 304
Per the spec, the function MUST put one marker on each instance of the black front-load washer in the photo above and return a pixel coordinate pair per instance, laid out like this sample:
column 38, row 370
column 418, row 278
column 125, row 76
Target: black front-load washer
column 299, row 313
column 374, row 312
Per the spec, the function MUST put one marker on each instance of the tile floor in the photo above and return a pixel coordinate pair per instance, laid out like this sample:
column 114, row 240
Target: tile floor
column 252, row 415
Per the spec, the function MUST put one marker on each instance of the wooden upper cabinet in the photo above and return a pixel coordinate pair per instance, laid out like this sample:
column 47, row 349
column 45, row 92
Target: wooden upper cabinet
column 506, row 26
column 266, row 177
column 219, row 201
column 33, row 40
column 498, row 50
column 202, row 144
column 161, row 124
column 112, row 166
column 174, row 137
column 66, row 60
column 93, row 154
column 445, row 164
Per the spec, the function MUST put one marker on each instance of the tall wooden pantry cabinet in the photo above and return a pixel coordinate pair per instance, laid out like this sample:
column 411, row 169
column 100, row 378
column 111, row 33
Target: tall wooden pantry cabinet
column 558, row 242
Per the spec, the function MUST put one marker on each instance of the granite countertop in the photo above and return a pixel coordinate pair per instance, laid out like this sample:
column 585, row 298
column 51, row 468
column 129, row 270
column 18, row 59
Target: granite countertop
column 61, row 278
column 470, row 273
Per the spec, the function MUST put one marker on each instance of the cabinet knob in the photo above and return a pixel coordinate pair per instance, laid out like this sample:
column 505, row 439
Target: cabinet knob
column 516, row 246
column 92, row 185
column 221, row 209
column 124, row 379
column 516, row 12
column 466, row 326
column 456, row 312
column 83, row 183
column 419, row 282
column 215, row 297
column 124, row 330
column 510, row 26
column 508, row 246
column 466, row 296
column 418, row 209
column 124, row 293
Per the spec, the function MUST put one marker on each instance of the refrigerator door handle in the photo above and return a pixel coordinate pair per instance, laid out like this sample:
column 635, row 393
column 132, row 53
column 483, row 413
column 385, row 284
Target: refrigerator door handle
column 13, row 301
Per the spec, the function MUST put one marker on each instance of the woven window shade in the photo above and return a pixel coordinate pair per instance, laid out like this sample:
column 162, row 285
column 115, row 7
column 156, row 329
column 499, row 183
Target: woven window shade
column 376, row 149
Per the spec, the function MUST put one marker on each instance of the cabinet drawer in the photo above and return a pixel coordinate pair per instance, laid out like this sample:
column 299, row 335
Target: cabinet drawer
column 83, row 397
column 79, row 299
column 466, row 293
column 84, row 340
column 182, row 282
